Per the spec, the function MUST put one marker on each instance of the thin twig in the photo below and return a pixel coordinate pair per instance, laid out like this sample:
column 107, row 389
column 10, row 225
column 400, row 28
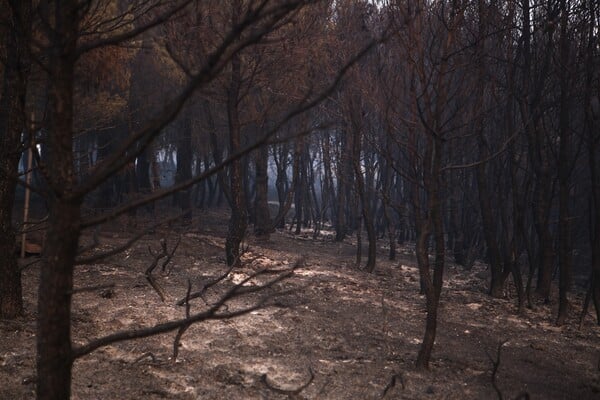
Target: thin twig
column 182, row 329
column 149, row 277
column 496, row 366
column 98, row 257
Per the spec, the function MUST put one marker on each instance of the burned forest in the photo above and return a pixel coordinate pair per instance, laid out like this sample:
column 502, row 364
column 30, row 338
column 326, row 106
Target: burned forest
column 299, row 199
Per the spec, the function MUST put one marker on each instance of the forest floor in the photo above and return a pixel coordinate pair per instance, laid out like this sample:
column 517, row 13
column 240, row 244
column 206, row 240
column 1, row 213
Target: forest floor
column 356, row 333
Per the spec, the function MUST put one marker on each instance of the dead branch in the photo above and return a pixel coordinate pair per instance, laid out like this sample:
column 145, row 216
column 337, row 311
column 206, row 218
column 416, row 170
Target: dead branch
column 170, row 256
column 213, row 312
column 205, row 286
column 97, row 257
column 182, row 329
column 29, row 264
column 157, row 257
column 496, row 365
column 288, row 392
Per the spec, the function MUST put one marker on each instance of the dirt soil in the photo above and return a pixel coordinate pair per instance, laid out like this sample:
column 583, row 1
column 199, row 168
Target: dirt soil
column 356, row 334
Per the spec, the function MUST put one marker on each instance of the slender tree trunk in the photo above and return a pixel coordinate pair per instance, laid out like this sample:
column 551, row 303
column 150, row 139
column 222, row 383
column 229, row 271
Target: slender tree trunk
column 300, row 186
column 423, row 228
column 184, row 168
column 143, row 178
column 262, row 225
column 433, row 287
column 280, row 157
column 285, row 199
column 367, row 216
column 239, row 214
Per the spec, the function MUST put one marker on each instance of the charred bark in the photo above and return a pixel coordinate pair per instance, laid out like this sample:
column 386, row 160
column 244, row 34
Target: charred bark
column 239, row 215
column 262, row 224
column 184, row 168
column 54, row 351
column 12, row 123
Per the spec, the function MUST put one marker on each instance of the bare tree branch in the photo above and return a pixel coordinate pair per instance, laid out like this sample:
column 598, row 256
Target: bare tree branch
column 100, row 256
column 212, row 313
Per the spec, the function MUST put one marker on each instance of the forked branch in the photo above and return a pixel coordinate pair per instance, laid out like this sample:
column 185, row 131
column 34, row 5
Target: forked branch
column 213, row 312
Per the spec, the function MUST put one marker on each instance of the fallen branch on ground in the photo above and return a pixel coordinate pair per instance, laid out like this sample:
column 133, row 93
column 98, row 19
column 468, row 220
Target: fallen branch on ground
column 213, row 312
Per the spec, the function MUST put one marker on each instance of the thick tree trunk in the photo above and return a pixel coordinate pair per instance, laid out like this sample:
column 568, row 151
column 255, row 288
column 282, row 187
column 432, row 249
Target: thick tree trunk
column 489, row 229
column 54, row 358
column 546, row 256
column 12, row 123
column 565, row 261
column 344, row 180
column 54, row 361
column 595, row 232
column 593, row 126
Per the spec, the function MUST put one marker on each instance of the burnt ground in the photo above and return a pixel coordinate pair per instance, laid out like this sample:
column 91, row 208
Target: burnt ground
column 357, row 333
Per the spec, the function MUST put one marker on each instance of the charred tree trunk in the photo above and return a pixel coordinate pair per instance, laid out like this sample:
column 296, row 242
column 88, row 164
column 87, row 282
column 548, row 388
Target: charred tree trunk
column 489, row 229
column 543, row 195
column 344, row 179
column 432, row 288
column 184, row 168
column 300, row 186
column 593, row 126
column 239, row 215
column 595, row 210
column 565, row 261
column 286, row 196
column 143, row 178
column 280, row 157
column 367, row 216
column 262, row 224
column 54, row 351
column 12, row 123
